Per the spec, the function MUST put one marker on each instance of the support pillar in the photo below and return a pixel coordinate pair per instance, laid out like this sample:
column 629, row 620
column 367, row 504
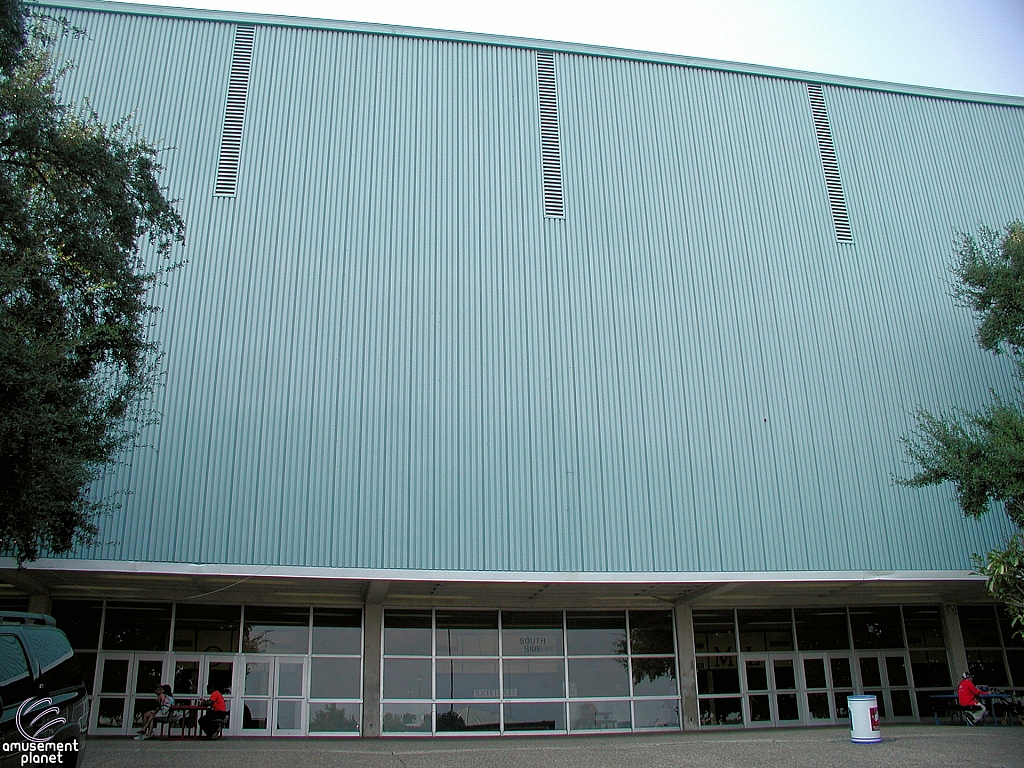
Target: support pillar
column 954, row 641
column 38, row 603
column 690, row 714
column 373, row 632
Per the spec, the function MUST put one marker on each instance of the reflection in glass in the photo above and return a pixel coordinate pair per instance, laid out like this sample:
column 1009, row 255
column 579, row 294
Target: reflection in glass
column 403, row 718
column 531, row 633
column 718, row 675
column 337, row 630
column 842, row 676
column 289, row 678
column 842, row 710
column 288, row 715
column 80, row 620
column 115, row 676
column 655, row 713
column 787, row 706
column 988, row 667
column 1012, row 636
column 654, row 676
column 468, row 716
column 930, row 669
column 757, row 675
column 765, row 630
column 591, row 633
column 714, row 632
column 821, row 630
column 219, row 674
column 407, row 632
column 207, row 628
column 876, row 628
column 275, row 630
column 134, row 627
column 334, row 678
column 463, row 679
column 534, row 678
column 339, row 717
column 598, row 677
column 407, row 679
column 254, row 714
column 814, row 673
column 785, row 675
column 535, row 716
column 870, row 674
column 467, row 633
column 1015, row 659
column 760, row 709
column 924, row 626
column 721, row 712
column 901, row 706
column 979, row 626
column 896, row 669
column 148, row 676
column 186, row 677
column 651, row 632
column 111, row 713
column 598, row 715
column 817, row 706
column 257, row 678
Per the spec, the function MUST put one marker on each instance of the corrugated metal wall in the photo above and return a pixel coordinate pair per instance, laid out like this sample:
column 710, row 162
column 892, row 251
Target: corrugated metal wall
column 383, row 355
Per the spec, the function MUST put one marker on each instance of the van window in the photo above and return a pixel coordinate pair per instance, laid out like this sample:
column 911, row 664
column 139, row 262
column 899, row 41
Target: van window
column 15, row 678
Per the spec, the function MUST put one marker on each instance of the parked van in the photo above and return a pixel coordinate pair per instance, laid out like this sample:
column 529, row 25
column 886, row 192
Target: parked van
column 42, row 695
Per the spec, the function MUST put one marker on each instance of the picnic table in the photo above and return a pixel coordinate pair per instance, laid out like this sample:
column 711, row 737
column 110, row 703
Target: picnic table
column 953, row 707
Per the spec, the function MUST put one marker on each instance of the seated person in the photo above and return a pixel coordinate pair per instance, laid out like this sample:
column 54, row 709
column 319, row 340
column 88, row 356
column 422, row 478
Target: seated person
column 164, row 701
column 212, row 722
column 967, row 696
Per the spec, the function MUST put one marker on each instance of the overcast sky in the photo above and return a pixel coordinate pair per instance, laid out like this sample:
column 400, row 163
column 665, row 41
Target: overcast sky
column 972, row 45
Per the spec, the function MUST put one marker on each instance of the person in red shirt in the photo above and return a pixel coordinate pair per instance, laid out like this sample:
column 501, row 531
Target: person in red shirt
column 213, row 721
column 967, row 696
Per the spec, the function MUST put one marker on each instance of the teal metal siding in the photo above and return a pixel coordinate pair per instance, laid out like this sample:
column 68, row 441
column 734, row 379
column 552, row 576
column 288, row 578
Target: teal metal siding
column 383, row 355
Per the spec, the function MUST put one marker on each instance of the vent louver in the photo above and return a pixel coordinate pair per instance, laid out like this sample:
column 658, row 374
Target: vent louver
column 829, row 165
column 234, row 113
column 550, row 148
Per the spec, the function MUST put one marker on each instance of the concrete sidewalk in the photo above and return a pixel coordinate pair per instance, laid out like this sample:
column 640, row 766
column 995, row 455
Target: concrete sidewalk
column 903, row 746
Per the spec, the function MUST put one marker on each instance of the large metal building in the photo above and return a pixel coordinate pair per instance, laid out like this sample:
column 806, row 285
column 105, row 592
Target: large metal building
column 517, row 386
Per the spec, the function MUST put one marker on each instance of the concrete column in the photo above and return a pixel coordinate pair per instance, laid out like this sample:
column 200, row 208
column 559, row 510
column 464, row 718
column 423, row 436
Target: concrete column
column 39, row 603
column 954, row 641
column 687, row 667
column 373, row 633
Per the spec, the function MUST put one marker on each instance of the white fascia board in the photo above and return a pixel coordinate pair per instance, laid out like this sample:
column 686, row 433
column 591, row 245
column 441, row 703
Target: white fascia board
column 496, row 577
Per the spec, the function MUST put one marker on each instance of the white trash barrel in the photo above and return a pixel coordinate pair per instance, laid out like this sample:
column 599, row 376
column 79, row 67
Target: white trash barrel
column 864, row 728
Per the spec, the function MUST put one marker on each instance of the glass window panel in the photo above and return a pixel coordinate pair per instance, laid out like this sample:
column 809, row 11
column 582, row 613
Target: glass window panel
column 111, row 713
column 186, row 677
column 255, row 714
column 821, row 630
column 207, row 628
column 930, row 669
column 535, row 716
column 1016, row 661
column 15, row 674
column 924, row 626
column 288, row 715
column 842, row 676
column 876, row 628
column 979, row 626
column 988, row 667
column 655, row 713
column 463, row 679
column 531, row 633
column 598, row 677
column 334, row 678
column 655, row 676
column 901, row 704
column 787, row 707
column 817, row 706
column 760, row 709
column 896, row 669
column 467, row 633
column 870, row 672
column 148, row 675
column 842, row 705
column 407, row 632
column 718, row 676
column 257, row 678
column 768, row 630
column 133, row 627
column 115, row 676
column 337, row 630
column 219, row 674
column 814, row 673
column 721, row 711
column 714, row 632
column 534, row 679
column 289, row 678
column 651, row 632
column 785, row 674
column 339, row 717
column 757, row 675
column 407, row 679
column 275, row 630
column 80, row 620
column 139, row 708
column 468, row 716
column 87, row 663
column 1013, row 637
column 595, row 632
column 406, row 718
column 598, row 715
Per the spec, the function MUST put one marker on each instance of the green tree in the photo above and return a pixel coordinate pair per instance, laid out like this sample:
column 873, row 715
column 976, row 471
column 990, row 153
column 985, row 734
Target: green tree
column 76, row 198
column 982, row 452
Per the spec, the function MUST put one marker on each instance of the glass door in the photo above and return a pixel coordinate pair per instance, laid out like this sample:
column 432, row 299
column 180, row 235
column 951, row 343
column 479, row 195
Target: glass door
column 289, row 696
column 127, row 683
column 256, row 714
column 770, row 688
column 273, row 696
column 884, row 675
column 827, row 681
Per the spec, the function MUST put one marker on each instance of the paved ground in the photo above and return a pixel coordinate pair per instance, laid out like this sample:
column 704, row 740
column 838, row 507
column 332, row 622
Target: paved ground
column 906, row 746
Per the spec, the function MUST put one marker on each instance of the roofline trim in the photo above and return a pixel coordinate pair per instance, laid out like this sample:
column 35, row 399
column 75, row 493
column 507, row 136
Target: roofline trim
column 479, row 38
column 495, row 577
